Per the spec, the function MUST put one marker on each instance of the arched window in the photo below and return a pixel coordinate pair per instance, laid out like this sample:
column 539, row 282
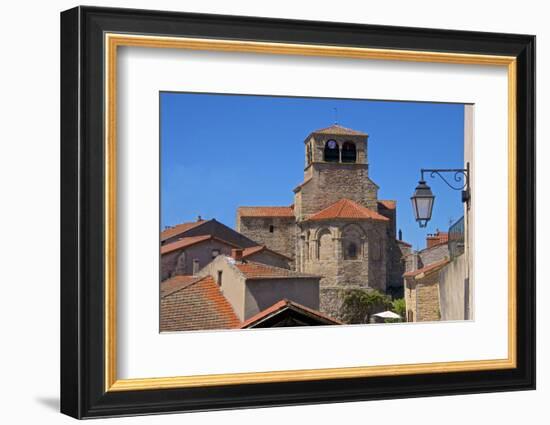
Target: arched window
column 325, row 246
column 352, row 236
column 308, row 153
column 332, row 151
column 351, row 251
column 349, row 153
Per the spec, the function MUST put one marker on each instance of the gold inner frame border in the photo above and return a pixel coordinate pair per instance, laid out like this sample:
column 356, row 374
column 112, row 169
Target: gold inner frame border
column 112, row 41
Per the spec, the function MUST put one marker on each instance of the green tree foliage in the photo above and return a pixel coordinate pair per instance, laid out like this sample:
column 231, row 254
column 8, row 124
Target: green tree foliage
column 399, row 307
column 360, row 304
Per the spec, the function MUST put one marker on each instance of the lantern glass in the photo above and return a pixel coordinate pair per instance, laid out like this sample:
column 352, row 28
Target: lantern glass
column 422, row 203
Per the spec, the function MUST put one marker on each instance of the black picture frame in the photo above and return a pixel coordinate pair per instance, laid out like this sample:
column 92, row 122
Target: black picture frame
column 82, row 218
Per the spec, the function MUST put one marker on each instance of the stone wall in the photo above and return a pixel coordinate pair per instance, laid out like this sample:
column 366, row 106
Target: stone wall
column 282, row 239
column 422, row 298
column 323, row 254
column 330, row 182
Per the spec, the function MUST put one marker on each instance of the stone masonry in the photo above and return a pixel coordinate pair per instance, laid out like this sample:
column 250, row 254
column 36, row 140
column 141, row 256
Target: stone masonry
column 337, row 227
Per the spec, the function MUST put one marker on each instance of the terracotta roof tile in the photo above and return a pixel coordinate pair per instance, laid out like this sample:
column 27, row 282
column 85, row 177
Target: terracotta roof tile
column 179, row 228
column 176, row 283
column 390, row 205
column 189, row 241
column 340, row 130
column 253, row 270
column 247, row 252
column 283, row 305
column 266, row 211
column 437, row 238
column 197, row 306
column 430, row 268
column 347, row 209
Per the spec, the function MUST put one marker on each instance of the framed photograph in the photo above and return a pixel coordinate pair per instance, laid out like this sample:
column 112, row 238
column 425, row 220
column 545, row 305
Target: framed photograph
column 261, row 212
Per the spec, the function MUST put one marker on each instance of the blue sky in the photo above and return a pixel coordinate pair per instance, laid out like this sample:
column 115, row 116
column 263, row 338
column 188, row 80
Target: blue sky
column 219, row 152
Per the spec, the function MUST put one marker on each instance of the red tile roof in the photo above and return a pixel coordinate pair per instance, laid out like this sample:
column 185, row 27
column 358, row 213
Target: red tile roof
column 179, row 228
column 247, row 252
column 197, row 306
column 437, row 238
column 253, row 270
column 283, row 305
column 340, row 131
column 266, row 211
column 189, row 241
column 403, row 243
column 176, row 283
column 347, row 209
column 430, row 268
column 390, row 205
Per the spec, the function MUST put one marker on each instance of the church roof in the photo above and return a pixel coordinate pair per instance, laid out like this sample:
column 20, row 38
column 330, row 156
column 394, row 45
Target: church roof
column 279, row 308
column 252, row 270
column 199, row 305
column 179, row 228
column 348, row 210
column 340, row 131
column 189, row 241
column 266, row 211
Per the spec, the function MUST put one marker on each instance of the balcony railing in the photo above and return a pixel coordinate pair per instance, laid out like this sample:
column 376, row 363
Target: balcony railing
column 456, row 238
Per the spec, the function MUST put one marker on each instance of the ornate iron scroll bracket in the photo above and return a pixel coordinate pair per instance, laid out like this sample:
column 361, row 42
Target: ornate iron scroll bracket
column 460, row 179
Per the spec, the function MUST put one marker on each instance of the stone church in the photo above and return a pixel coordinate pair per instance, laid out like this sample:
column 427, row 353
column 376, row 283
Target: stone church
column 337, row 227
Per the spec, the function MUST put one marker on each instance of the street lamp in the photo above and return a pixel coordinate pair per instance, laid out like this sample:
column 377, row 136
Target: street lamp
column 422, row 202
column 423, row 198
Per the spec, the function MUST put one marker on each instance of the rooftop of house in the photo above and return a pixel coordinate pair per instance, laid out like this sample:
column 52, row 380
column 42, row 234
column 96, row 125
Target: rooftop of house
column 253, row 270
column 197, row 305
column 247, row 252
column 276, row 309
column 189, row 241
column 176, row 283
column 287, row 212
column 427, row 270
column 173, row 231
column 347, row 209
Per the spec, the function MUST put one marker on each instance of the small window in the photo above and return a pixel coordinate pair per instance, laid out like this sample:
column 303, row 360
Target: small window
column 215, row 253
column 351, row 251
column 332, row 151
column 349, row 153
column 271, row 228
column 220, row 277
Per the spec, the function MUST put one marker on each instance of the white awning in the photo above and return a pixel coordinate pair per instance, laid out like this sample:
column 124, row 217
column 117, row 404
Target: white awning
column 388, row 315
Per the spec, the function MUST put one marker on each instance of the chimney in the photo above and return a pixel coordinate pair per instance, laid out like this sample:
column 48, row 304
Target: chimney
column 237, row 254
column 431, row 240
column 400, row 235
column 196, row 266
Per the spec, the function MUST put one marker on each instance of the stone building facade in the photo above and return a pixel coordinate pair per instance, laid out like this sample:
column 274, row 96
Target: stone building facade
column 337, row 227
